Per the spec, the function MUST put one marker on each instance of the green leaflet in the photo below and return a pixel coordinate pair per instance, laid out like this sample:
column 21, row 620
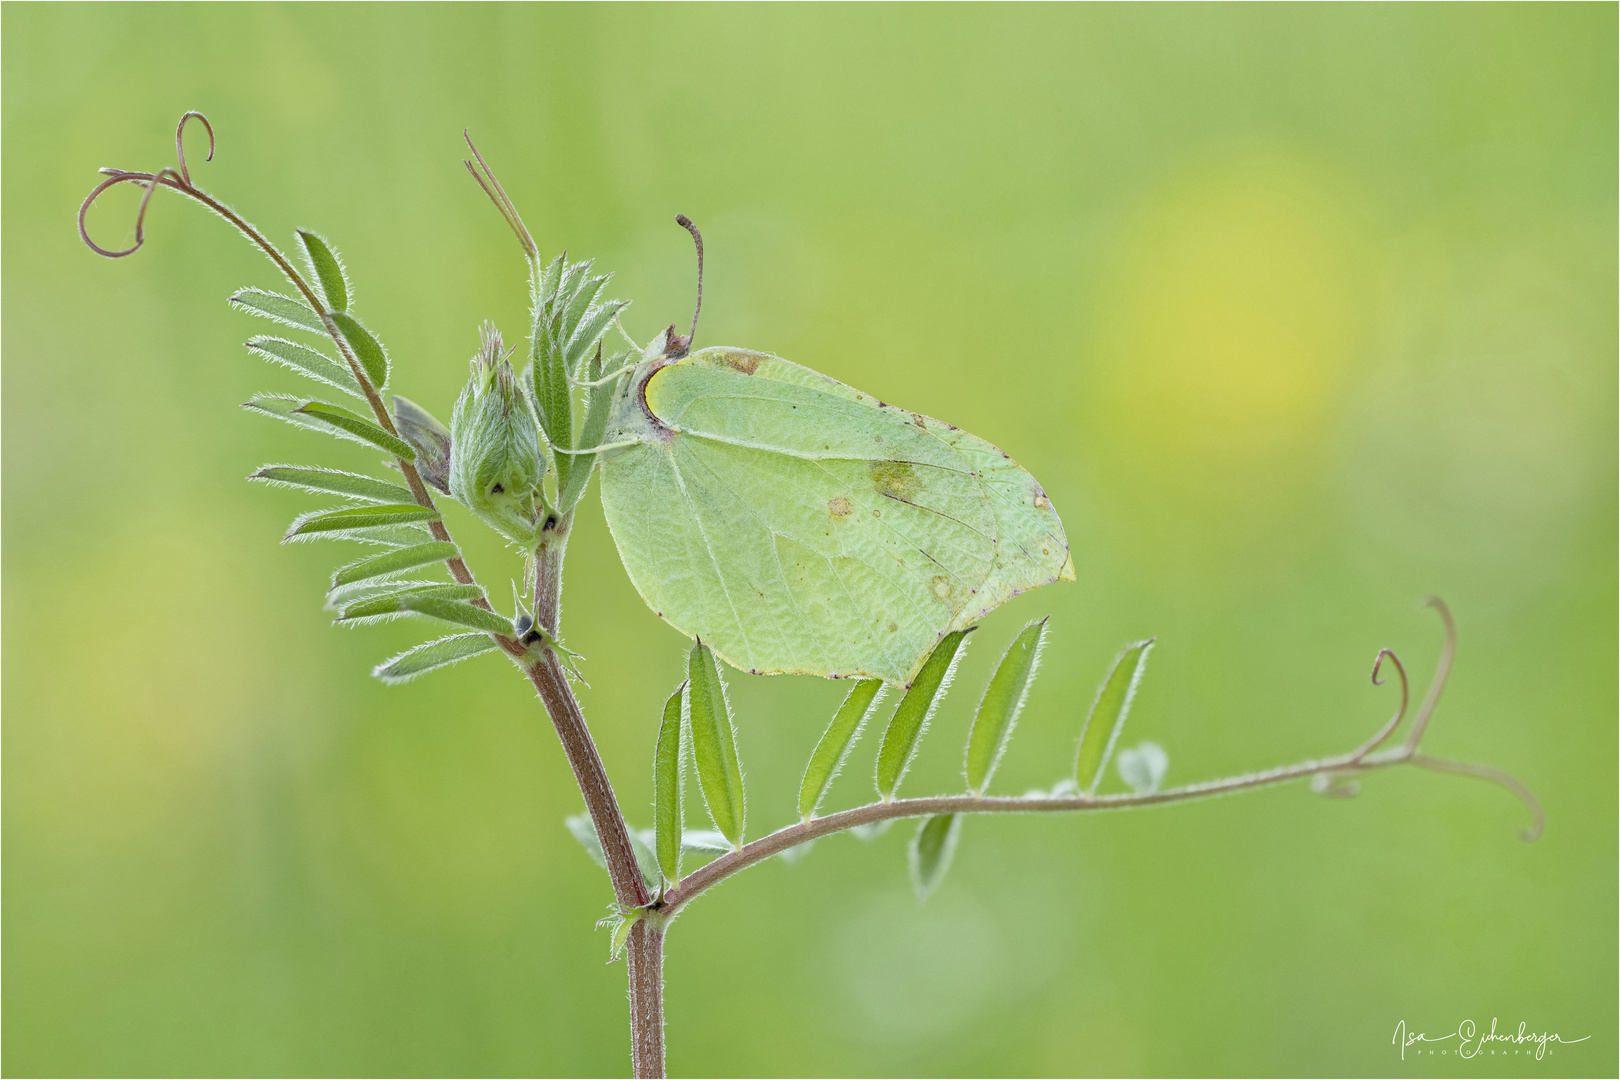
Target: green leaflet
column 460, row 613
column 339, row 483
column 574, row 471
column 328, row 270
column 306, row 361
column 912, row 714
column 282, row 309
column 357, row 517
column 828, row 756
column 367, row 349
column 589, row 335
column 1002, row 702
column 930, row 852
column 714, row 744
column 331, row 419
column 667, row 821
column 390, row 605
column 1107, row 716
column 393, row 562
column 553, row 398
column 432, row 655
column 360, row 428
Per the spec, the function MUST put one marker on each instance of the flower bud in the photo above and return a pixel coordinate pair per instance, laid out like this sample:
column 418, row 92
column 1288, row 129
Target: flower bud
column 495, row 461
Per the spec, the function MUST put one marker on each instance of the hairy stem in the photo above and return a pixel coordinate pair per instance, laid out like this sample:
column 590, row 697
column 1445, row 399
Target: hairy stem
column 645, row 958
column 1353, row 763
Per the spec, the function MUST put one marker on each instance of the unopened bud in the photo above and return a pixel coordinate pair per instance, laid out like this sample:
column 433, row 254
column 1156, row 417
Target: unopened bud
column 495, row 462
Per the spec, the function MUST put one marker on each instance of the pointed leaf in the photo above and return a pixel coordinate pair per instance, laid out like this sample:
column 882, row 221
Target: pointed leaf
column 328, row 270
column 589, row 333
column 931, row 851
column 357, row 426
column 317, row 365
column 1142, row 768
column 282, row 309
column 574, row 470
column 340, row 598
column 393, row 562
column 358, row 517
column 393, row 604
column 621, row 934
column 432, row 655
column 1107, row 716
column 714, row 744
column 429, row 438
column 667, row 822
column 367, row 349
column 828, row 757
column 351, row 484
column 459, row 612
column 911, row 716
column 1002, row 702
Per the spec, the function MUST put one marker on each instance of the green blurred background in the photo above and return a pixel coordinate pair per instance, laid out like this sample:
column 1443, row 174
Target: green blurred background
column 1299, row 313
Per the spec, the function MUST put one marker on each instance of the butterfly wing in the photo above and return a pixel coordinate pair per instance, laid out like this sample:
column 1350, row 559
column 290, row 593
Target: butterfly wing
column 797, row 525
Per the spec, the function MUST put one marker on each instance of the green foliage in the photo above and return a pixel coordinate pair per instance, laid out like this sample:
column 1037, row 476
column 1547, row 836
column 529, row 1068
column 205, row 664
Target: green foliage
column 307, row 361
column 388, row 605
column 433, row 655
column 332, row 419
column 911, row 716
column 287, row 310
column 394, row 562
column 368, row 351
column 930, row 851
column 714, row 744
column 328, row 270
column 569, row 322
column 836, row 742
column 1107, row 717
column 1002, row 702
column 352, row 485
column 358, row 517
column 575, row 469
column 667, row 759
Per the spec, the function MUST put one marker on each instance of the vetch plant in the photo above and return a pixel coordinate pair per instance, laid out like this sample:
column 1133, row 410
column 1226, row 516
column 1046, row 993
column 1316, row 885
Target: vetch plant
column 784, row 522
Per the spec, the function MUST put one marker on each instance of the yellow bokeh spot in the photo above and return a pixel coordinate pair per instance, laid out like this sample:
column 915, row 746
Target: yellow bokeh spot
column 1226, row 338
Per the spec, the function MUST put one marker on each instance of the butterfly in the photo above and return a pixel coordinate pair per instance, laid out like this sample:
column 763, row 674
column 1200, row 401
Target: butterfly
column 799, row 526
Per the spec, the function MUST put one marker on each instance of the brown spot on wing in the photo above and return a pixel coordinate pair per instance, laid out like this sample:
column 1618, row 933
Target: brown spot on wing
column 896, row 479
column 747, row 363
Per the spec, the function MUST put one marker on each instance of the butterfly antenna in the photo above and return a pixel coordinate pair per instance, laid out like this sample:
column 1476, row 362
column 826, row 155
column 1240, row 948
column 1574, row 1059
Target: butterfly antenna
column 697, row 238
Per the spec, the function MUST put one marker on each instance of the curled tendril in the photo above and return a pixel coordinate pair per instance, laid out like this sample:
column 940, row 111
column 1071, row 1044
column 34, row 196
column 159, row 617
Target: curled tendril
column 1384, row 732
column 1442, row 670
column 180, row 146
column 1494, row 776
column 179, row 179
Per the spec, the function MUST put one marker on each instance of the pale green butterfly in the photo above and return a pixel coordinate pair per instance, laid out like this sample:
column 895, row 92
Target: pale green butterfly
column 799, row 526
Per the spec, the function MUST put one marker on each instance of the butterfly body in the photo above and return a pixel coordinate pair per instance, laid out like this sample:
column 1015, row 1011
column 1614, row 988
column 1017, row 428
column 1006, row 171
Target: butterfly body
column 800, row 526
